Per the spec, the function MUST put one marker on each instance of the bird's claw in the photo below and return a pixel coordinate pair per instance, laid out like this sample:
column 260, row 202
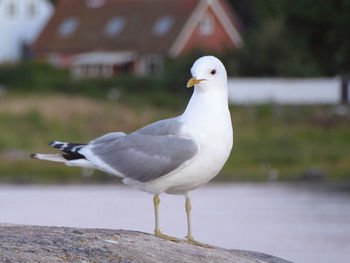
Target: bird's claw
column 190, row 240
column 161, row 235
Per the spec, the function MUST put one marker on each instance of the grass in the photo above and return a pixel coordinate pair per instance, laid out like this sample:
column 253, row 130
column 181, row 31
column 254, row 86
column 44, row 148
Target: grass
column 270, row 142
column 28, row 123
column 297, row 139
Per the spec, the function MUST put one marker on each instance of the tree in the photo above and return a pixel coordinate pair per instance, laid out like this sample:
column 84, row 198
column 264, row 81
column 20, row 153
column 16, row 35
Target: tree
column 54, row 2
column 294, row 38
column 322, row 30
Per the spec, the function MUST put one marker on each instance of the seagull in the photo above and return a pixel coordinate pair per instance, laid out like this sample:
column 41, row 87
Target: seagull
column 173, row 156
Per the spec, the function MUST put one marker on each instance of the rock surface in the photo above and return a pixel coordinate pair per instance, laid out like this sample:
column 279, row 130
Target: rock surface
column 60, row 244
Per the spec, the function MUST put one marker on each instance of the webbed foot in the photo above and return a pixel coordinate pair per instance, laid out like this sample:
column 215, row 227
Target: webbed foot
column 161, row 235
column 190, row 240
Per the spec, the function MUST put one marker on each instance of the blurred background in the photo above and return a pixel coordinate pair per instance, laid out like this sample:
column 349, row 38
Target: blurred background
column 74, row 70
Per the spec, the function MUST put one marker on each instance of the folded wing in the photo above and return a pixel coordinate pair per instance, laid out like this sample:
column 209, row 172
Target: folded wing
column 141, row 156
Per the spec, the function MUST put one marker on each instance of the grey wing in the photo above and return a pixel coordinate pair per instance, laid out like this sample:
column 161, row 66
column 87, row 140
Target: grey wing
column 164, row 127
column 142, row 157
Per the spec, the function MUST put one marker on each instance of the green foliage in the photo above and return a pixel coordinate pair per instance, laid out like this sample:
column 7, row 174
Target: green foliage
column 294, row 38
column 268, row 139
column 54, row 2
column 287, row 140
column 167, row 90
column 322, row 30
column 28, row 77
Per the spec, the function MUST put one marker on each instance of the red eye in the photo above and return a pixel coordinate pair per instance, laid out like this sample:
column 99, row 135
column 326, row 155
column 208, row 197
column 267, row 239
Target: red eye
column 213, row 72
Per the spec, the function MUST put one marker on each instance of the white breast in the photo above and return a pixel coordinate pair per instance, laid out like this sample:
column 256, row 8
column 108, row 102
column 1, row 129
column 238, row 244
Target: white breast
column 215, row 142
column 215, row 146
column 207, row 121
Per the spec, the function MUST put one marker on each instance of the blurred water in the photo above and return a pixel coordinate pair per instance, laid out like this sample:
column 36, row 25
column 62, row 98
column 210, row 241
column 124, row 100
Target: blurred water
column 289, row 221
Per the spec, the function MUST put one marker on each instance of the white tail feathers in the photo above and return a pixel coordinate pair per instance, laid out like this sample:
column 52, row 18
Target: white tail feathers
column 49, row 157
column 59, row 158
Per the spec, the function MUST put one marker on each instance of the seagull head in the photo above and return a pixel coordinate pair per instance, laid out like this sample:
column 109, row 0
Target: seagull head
column 208, row 73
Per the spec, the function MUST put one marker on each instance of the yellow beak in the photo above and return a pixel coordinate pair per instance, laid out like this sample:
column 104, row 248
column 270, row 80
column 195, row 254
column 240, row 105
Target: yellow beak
column 193, row 81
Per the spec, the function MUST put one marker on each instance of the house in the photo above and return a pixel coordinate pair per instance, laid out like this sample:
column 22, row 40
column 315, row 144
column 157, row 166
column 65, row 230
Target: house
column 106, row 37
column 20, row 23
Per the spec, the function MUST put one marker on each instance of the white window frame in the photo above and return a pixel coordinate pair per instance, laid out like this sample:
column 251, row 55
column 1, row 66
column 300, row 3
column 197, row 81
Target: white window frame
column 68, row 26
column 114, row 26
column 95, row 3
column 11, row 9
column 163, row 25
column 206, row 25
column 32, row 9
column 155, row 61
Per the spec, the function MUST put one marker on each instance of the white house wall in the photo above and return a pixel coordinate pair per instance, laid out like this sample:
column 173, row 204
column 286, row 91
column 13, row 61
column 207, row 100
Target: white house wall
column 20, row 27
column 284, row 91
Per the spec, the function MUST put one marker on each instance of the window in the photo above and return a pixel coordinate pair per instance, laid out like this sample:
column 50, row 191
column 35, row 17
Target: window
column 153, row 64
column 206, row 25
column 114, row 26
column 32, row 8
column 95, row 3
column 11, row 9
column 67, row 27
column 163, row 25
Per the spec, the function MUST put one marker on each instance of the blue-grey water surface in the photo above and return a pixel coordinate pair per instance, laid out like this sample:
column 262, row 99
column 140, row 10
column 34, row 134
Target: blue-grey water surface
column 289, row 221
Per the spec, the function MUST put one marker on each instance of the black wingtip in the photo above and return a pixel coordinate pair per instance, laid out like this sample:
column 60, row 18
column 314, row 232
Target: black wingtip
column 33, row 155
column 52, row 143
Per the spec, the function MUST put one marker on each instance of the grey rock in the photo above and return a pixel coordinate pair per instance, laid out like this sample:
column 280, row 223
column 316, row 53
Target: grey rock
column 60, row 244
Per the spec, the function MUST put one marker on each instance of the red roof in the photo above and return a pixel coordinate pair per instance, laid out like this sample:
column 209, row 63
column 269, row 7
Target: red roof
column 137, row 34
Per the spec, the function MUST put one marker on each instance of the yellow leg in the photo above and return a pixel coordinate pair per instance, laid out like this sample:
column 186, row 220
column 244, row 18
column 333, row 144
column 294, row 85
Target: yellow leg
column 188, row 207
column 189, row 236
column 157, row 232
column 156, row 202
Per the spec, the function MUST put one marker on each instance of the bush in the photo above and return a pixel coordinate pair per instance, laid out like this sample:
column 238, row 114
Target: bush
column 166, row 90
